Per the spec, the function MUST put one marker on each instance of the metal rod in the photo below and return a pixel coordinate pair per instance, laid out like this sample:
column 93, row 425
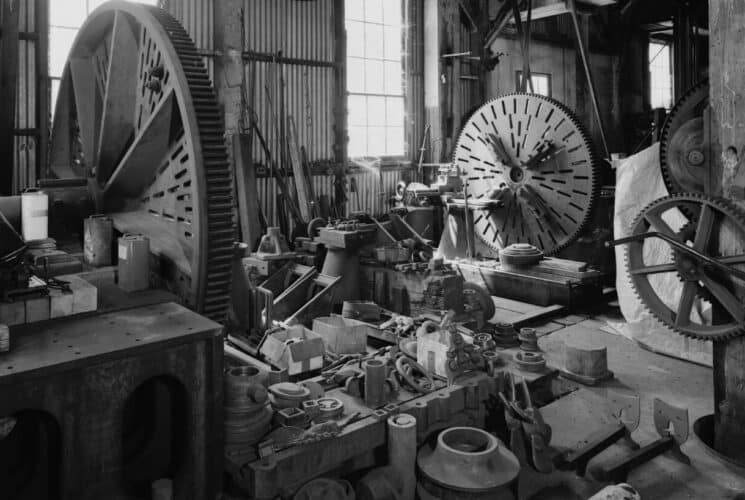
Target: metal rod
column 251, row 55
column 679, row 246
column 588, row 73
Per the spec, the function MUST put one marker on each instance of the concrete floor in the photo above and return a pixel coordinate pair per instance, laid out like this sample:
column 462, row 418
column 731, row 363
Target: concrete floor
column 649, row 375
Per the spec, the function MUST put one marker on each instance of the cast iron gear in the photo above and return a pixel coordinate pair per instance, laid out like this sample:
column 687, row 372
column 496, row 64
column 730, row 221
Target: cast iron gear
column 684, row 157
column 530, row 170
column 136, row 96
column 709, row 256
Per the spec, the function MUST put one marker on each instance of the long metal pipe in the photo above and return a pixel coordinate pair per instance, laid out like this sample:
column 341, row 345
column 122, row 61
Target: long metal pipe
column 571, row 5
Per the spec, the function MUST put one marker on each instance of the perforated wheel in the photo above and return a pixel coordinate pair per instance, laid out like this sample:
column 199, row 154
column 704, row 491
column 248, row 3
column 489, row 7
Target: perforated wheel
column 138, row 116
column 530, row 170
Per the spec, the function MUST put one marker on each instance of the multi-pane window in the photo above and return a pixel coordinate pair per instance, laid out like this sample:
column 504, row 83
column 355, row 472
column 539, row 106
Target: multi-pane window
column 541, row 82
column 375, row 77
column 661, row 79
column 65, row 19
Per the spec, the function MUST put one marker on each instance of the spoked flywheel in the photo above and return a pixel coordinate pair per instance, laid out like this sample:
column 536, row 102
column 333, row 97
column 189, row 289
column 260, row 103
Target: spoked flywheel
column 530, row 171
column 138, row 116
column 684, row 156
column 708, row 256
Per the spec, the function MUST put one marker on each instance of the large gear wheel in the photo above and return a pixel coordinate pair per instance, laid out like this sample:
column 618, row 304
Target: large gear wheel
column 138, row 116
column 530, row 170
column 716, row 233
column 684, row 158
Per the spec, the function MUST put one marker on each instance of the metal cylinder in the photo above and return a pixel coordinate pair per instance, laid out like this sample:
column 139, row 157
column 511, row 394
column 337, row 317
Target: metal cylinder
column 34, row 215
column 402, row 454
column 375, row 374
column 98, row 233
column 134, row 263
column 162, row 489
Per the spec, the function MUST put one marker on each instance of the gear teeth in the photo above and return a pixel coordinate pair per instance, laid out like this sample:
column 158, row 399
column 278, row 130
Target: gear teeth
column 726, row 207
column 212, row 295
column 680, row 113
column 592, row 159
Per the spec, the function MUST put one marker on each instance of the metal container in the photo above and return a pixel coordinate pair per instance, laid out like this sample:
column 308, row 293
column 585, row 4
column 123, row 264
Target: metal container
column 98, row 234
column 34, row 215
column 134, row 262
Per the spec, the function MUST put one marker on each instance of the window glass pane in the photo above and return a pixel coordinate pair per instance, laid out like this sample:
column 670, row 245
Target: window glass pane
column 376, row 141
column 395, row 141
column 661, row 81
column 373, row 41
column 374, row 77
column 60, row 42
column 374, row 11
column 393, row 78
column 392, row 12
column 357, row 105
column 376, row 111
column 355, row 75
column 541, row 84
column 355, row 39
column 392, row 43
column 354, row 9
column 55, row 93
column 357, row 141
column 394, row 111
column 68, row 13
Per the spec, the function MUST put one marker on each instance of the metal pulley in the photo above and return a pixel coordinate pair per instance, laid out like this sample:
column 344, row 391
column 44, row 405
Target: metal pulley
column 137, row 115
column 531, row 173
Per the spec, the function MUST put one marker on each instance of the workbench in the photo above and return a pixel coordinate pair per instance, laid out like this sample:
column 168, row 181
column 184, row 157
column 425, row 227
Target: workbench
column 120, row 399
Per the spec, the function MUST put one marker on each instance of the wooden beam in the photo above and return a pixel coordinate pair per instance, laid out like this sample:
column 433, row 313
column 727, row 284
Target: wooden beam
column 8, row 83
column 117, row 123
column 246, row 187
column 727, row 89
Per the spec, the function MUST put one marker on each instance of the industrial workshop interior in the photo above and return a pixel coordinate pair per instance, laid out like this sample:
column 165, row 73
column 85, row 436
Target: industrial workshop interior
column 372, row 249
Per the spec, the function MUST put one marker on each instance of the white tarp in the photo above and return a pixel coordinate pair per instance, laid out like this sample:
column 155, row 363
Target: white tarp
column 638, row 183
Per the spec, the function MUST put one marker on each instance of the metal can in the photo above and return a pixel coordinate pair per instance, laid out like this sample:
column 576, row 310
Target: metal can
column 134, row 262
column 98, row 233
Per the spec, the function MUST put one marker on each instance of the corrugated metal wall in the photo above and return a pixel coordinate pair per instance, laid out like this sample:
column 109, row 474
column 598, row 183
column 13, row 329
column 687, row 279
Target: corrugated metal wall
column 26, row 141
column 301, row 34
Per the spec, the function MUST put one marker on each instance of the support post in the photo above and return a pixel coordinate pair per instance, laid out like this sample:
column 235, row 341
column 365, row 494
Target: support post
column 727, row 95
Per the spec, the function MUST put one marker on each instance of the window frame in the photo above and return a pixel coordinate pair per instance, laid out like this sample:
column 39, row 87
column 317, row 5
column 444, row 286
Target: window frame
column 401, row 32
column 533, row 74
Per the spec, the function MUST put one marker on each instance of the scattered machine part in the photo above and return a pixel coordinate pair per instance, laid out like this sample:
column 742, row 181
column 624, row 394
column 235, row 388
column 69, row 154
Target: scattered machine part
column 530, row 361
column 627, row 410
column 666, row 417
column 585, row 362
column 529, row 433
column 528, row 340
column 468, row 461
column 519, row 255
column 531, row 170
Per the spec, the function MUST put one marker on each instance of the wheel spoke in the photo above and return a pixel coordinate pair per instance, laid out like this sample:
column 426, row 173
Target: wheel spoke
column 683, row 316
column 135, row 170
column 88, row 104
column 117, row 124
column 704, row 228
column 732, row 259
column 728, row 301
column 660, row 225
column 657, row 269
